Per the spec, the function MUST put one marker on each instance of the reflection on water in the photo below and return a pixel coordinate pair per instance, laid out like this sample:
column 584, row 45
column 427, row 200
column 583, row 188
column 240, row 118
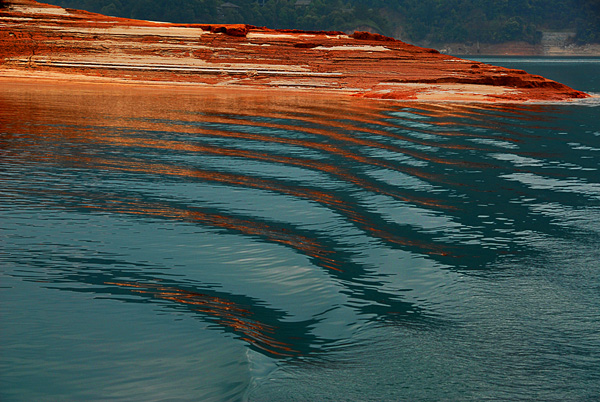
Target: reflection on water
column 305, row 240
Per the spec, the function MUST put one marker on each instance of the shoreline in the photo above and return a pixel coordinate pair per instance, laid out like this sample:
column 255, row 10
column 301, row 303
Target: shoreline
column 40, row 41
column 15, row 78
column 557, row 45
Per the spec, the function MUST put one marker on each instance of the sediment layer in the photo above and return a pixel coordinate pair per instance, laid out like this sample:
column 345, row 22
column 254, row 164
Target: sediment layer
column 40, row 40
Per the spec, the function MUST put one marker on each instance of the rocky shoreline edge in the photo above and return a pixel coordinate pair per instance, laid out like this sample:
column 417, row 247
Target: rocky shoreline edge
column 41, row 40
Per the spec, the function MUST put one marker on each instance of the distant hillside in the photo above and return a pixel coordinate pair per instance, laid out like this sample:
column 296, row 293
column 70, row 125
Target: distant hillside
column 416, row 21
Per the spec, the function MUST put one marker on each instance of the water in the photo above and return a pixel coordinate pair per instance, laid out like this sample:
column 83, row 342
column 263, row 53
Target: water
column 182, row 245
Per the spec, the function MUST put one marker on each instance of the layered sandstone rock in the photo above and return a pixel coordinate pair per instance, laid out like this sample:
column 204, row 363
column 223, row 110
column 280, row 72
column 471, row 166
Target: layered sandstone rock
column 42, row 40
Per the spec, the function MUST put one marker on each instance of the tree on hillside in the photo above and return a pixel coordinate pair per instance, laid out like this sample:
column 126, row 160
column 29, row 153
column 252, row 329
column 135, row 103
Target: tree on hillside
column 588, row 29
column 417, row 21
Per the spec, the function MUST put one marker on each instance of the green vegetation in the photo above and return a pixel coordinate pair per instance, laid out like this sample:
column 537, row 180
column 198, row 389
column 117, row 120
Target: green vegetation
column 417, row 21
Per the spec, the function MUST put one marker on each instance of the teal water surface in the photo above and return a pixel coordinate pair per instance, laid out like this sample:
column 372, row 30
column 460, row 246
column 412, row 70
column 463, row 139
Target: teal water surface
column 183, row 245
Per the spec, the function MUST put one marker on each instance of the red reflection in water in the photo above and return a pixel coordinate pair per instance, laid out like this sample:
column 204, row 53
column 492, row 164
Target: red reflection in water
column 306, row 245
column 74, row 122
column 478, row 116
column 225, row 312
column 246, row 181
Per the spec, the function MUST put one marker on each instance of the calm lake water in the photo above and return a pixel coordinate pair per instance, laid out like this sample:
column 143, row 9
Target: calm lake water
column 160, row 245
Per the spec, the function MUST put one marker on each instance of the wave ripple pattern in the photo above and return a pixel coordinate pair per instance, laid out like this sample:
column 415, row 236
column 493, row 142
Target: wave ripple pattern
column 229, row 243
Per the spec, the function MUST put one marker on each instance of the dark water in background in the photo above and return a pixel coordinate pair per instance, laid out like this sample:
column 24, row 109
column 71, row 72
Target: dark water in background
column 188, row 246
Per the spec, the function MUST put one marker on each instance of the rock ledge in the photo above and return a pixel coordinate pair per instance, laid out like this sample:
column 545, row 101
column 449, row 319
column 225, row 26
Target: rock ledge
column 39, row 38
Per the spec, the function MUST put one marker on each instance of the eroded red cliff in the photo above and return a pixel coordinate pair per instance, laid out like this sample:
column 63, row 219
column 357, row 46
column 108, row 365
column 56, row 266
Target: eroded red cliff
column 40, row 39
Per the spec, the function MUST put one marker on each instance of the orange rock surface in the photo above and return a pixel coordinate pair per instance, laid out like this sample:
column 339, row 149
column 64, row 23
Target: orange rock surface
column 44, row 41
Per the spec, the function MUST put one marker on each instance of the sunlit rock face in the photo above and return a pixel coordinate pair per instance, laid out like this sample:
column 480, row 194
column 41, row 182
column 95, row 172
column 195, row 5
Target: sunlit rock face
column 44, row 41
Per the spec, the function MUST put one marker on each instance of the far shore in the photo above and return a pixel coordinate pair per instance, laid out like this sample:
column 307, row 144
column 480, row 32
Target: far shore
column 519, row 49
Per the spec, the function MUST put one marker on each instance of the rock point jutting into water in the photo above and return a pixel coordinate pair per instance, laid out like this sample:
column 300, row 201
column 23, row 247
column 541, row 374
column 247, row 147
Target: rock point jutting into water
column 48, row 42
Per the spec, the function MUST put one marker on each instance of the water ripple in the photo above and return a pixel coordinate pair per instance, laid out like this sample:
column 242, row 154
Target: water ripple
column 289, row 224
